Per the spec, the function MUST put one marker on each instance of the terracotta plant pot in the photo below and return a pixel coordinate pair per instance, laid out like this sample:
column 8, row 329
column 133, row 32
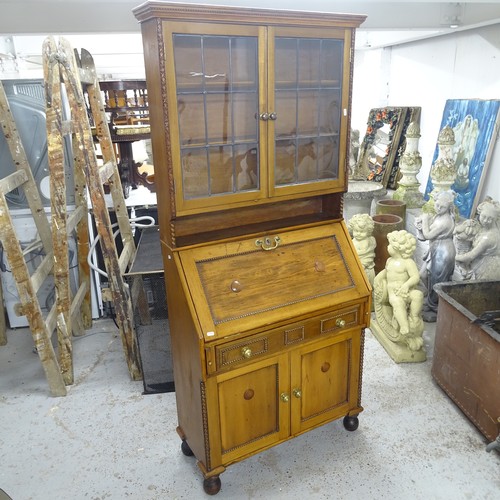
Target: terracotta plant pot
column 383, row 225
column 395, row 207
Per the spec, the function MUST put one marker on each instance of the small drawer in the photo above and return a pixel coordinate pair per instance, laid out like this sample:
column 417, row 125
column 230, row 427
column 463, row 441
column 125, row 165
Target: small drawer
column 241, row 351
column 341, row 319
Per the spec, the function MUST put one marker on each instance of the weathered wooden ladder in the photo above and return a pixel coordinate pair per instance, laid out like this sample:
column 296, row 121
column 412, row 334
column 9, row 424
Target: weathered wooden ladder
column 68, row 315
column 123, row 295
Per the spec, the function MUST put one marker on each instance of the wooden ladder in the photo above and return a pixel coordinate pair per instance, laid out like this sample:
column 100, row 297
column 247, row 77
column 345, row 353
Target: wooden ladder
column 123, row 295
column 52, row 244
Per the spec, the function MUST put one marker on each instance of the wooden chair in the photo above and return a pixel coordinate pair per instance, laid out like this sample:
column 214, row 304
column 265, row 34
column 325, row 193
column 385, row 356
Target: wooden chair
column 126, row 103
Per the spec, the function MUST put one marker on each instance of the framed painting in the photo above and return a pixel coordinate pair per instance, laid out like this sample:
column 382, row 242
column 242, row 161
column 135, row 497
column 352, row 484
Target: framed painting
column 475, row 125
column 380, row 144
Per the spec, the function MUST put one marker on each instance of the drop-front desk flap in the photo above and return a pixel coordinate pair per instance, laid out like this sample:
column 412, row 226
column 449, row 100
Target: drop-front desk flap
column 247, row 284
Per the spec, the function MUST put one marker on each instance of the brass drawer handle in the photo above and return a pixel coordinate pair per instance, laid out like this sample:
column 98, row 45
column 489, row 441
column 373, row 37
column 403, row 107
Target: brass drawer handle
column 340, row 323
column 246, row 352
column 268, row 244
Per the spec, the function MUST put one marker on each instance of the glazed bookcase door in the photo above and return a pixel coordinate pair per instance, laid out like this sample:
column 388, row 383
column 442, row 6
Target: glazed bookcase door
column 308, row 97
column 215, row 94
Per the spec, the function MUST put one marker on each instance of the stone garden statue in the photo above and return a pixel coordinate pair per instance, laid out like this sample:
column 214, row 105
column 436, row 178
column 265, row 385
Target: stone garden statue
column 465, row 233
column 361, row 228
column 483, row 259
column 398, row 321
column 443, row 171
column 409, row 166
column 439, row 263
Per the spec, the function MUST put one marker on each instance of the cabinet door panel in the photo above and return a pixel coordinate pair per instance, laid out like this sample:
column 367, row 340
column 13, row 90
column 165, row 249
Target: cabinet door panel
column 323, row 373
column 251, row 413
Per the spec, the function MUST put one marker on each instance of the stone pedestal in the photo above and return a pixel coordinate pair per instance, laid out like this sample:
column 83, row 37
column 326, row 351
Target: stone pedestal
column 398, row 352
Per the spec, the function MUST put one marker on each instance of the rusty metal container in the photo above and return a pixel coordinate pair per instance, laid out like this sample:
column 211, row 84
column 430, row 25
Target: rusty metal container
column 466, row 362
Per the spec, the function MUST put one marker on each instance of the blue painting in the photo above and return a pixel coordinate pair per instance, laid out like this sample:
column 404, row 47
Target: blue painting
column 475, row 124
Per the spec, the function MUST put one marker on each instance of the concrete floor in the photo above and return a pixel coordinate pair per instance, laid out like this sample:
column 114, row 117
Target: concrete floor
column 106, row 440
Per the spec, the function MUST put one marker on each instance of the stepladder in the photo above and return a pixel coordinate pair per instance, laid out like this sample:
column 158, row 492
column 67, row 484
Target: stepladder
column 70, row 312
column 116, row 240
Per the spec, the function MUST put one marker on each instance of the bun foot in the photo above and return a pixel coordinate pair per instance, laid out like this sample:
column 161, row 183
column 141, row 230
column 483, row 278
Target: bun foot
column 351, row 423
column 211, row 485
column 186, row 449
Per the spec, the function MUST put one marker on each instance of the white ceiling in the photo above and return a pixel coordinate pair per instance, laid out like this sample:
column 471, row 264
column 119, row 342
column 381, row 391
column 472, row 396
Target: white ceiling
column 388, row 22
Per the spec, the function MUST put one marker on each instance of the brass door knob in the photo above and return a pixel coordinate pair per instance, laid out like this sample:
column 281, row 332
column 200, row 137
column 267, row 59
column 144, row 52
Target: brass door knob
column 340, row 322
column 297, row 393
column 246, row 352
column 285, row 397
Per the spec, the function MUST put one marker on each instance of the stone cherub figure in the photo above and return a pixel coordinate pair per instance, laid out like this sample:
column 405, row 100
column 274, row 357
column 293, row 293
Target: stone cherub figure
column 439, row 262
column 465, row 233
column 361, row 228
column 483, row 259
column 398, row 321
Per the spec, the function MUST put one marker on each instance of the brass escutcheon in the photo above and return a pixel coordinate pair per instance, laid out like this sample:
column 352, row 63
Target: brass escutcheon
column 268, row 244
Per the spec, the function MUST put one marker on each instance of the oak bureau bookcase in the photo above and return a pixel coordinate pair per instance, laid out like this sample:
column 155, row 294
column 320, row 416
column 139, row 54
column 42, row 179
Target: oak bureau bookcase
column 268, row 302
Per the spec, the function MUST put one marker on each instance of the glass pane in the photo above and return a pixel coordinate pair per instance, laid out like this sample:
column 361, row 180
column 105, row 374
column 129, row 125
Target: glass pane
column 191, row 108
column 332, row 52
column 329, row 112
column 285, row 71
column 194, row 173
column 188, row 64
column 286, row 110
column 216, row 62
column 219, row 128
column 284, row 172
column 245, row 122
column 309, row 61
column 307, row 161
column 221, row 170
column 245, row 167
column 244, row 62
column 328, row 158
column 308, row 115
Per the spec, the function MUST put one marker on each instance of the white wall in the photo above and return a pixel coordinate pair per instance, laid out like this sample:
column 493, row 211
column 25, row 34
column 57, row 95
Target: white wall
column 464, row 65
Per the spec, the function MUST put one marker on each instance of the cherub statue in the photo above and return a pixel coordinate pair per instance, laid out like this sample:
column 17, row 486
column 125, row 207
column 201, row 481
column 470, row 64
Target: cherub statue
column 398, row 322
column 439, row 263
column 361, row 228
column 484, row 256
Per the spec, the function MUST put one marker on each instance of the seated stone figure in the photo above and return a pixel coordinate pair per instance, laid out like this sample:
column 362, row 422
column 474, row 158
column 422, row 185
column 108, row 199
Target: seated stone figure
column 483, row 259
column 398, row 321
column 361, row 228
